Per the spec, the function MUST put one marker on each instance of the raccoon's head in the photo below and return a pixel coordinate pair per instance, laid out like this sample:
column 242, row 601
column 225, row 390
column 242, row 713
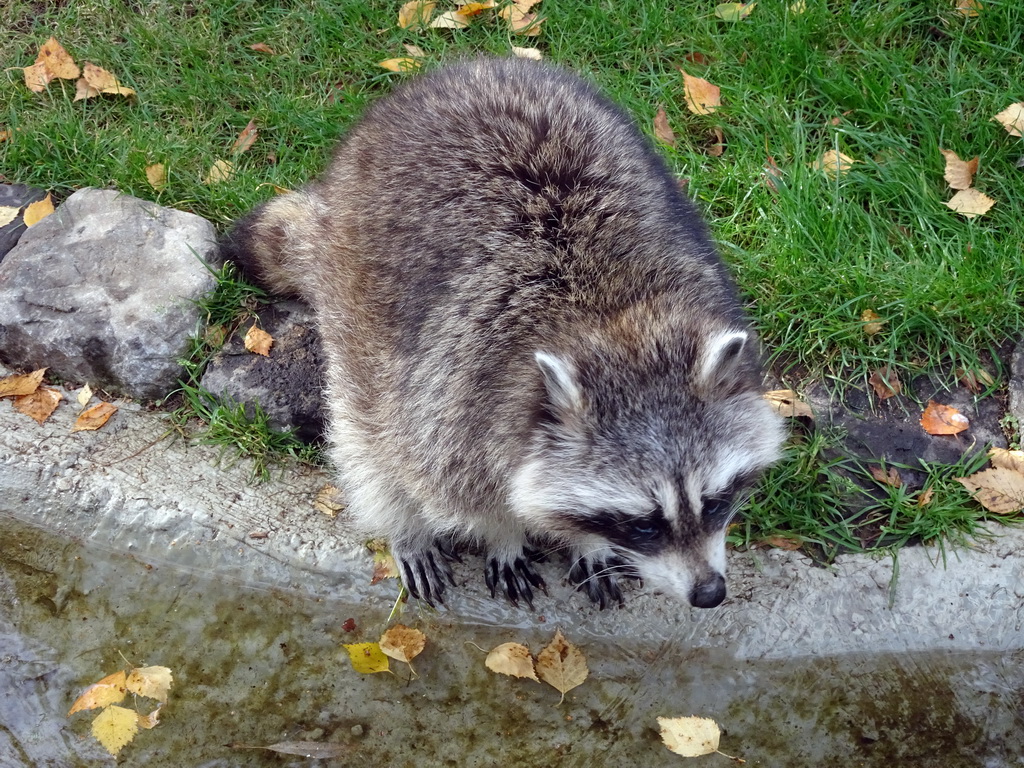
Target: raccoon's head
column 643, row 457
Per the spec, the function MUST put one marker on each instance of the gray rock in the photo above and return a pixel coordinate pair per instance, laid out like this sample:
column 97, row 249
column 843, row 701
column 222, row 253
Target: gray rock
column 288, row 384
column 102, row 291
column 16, row 196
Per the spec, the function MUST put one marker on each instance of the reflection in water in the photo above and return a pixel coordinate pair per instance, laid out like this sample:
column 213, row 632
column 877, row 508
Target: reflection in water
column 256, row 666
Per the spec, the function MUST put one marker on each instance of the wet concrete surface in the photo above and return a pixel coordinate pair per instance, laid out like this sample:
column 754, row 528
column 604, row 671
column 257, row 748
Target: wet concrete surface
column 120, row 548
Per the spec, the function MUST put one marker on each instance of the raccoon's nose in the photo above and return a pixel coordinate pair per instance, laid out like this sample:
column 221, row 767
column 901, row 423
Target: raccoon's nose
column 708, row 593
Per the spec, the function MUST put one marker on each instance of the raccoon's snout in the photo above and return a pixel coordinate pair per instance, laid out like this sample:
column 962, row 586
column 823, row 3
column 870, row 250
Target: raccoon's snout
column 708, row 593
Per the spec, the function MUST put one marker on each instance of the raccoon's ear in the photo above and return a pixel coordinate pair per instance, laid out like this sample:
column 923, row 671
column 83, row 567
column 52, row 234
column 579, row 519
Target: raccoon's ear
column 721, row 359
column 564, row 394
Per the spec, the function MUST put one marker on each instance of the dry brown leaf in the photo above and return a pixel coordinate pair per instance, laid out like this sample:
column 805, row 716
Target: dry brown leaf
column 662, row 130
column 1005, row 459
column 57, row 60
column 93, row 418
column 245, row 139
column 998, row 490
column 527, row 53
column 968, row 8
column 5, row 135
column 788, row 404
column 970, row 203
column 415, row 13
column 152, row 720
column 156, row 175
column 8, row 213
column 734, row 11
column 327, row 501
column 40, row 404
column 511, row 659
column 153, row 682
column 562, row 665
column 414, row 50
column 403, row 643
column 384, row 567
column 37, row 77
column 773, row 175
column 450, row 20
column 939, row 419
column 975, row 380
column 702, row 98
column 690, row 736
column 219, row 172
column 263, row 48
column 21, row 384
column 522, row 23
column 717, row 147
column 783, row 542
column 885, row 382
column 1012, row 119
column 258, row 341
column 887, row 477
column 96, row 80
column 401, row 64
column 115, row 727
column 37, row 211
column 696, row 57
column 872, row 321
column 925, row 497
column 110, row 690
column 833, row 163
column 959, row 174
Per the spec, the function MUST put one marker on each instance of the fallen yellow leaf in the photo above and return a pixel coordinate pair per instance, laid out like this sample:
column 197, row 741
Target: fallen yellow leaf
column 872, row 321
column 21, row 384
column 219, row 172
column 833, row 163
column 37, row 211
column 959, row 174
column 939, row 419
column 40, row 404
column 562, row 665
column 788, row 404
column 115, row 727
column 702, row 98
column 153, row 682
column 156, row 175
column 512, row 659
column 403, row 64
column 690, row 736
column 402, row 643
column 1005, row 459
column 450, row 20
column 415, row 13
column 57, row 60
column 367, row 658
column 734, row 11
column 968, row 8
column 109, row 690
column 258, row 341
column 1012, row 119
column 970, row 203
column 998, row 490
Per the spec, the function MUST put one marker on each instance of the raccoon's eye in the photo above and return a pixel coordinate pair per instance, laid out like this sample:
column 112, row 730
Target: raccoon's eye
column 645, row 531
column 716, row 508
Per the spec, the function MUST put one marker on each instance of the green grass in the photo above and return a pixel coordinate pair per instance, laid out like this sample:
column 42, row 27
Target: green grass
column 887, row 83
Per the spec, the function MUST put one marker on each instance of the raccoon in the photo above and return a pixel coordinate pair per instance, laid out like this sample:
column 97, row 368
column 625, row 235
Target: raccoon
column 529, row 337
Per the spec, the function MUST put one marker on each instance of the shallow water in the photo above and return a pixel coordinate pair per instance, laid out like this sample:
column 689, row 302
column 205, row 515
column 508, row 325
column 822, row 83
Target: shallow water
column 258, row 665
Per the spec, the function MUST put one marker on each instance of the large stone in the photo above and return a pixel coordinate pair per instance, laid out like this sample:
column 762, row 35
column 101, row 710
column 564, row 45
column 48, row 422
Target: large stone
column 103, row 291
column 288, row 384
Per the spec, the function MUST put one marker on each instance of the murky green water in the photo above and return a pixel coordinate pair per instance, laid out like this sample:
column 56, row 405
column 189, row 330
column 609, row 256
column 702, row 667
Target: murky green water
column 260, row 665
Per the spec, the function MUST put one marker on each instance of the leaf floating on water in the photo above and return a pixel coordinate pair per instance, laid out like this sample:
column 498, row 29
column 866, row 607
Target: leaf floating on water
column 562, row 665
column 403, row 643
column 153, row 682
column 115, row 727
column 109, row 690
column 152, row 720
column 511, row 659
column 367, row 658
column 690, row 736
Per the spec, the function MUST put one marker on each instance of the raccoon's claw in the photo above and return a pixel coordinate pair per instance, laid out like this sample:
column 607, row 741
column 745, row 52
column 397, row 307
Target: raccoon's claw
column 515, row 578
column 597, row 580
column 424, row 574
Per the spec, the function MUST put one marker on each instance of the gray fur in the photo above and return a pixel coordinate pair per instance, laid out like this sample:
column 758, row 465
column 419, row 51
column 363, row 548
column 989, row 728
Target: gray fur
column 527, row 332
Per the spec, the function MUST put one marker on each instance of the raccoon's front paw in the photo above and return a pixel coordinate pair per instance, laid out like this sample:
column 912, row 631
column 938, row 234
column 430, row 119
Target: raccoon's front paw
column 599, row 576
column 424, row 572
column 515, row 575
